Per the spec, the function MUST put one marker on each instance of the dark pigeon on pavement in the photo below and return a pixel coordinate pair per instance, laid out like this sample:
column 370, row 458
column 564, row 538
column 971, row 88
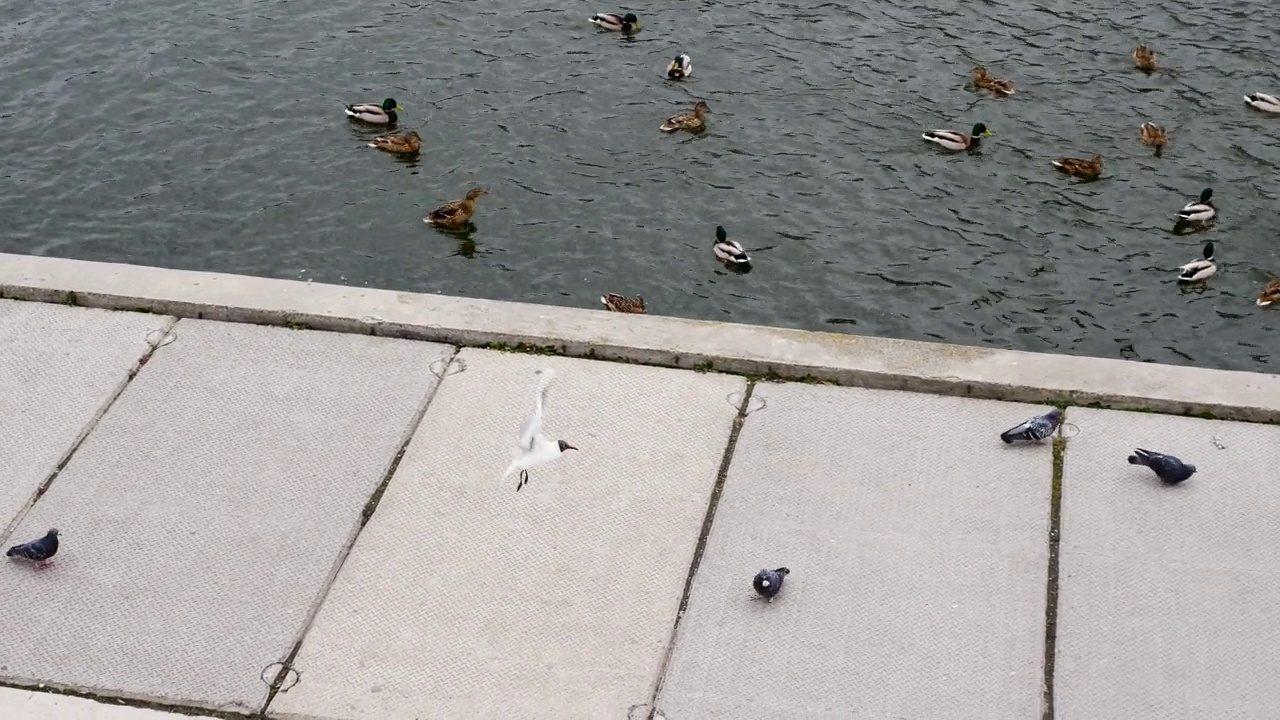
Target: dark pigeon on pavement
column 1168, row 468
column 40, row 551
column 768, row 582
column 1036, row 429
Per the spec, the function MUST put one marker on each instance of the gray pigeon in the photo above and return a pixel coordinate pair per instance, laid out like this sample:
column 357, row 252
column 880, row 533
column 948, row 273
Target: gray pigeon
column 1036, row 429
column 1170, row 469
column 768, row 582
column 40, row 551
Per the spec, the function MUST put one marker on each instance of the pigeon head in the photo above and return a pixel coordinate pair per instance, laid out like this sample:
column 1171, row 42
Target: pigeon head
column 565, row 446
column 52, row 533
column 1055, row 415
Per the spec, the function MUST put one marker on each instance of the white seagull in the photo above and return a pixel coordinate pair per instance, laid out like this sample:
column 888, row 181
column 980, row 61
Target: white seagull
column 534, row 449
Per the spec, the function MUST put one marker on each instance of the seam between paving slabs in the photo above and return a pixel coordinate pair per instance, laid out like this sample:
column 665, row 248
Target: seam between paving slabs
column 585, row 350
column 132, row 702
column 708, row 521
column 88, row 428
column 366, row 513
column 1052, row 585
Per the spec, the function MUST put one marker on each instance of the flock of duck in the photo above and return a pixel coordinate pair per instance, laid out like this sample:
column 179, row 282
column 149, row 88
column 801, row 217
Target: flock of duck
column 1195, row 215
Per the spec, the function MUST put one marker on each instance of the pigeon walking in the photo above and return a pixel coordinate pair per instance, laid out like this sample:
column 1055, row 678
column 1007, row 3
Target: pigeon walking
column 768, row 582
column 1168, row 468
column 534, row 449
column 1036, row 429
column 39, row 551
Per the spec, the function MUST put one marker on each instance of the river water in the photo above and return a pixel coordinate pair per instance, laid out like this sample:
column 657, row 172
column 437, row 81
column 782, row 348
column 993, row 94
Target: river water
column 211, row 137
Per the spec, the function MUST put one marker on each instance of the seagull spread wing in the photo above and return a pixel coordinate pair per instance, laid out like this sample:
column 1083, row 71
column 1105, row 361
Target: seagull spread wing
column 532, row 430
column 531, row 433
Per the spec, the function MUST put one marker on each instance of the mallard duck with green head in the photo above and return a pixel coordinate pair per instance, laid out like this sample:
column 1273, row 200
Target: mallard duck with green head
column 952, row 140
column 1200, row 269
column 680, row 68
column 615, row 22
column 729, row 252
column 384, row 114
column 1199, row 211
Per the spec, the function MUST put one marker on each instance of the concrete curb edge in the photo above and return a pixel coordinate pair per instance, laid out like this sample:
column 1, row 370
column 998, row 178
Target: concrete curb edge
column 767, row 352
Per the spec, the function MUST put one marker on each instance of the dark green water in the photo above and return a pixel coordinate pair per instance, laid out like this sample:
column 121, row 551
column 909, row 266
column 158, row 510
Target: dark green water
column 189, row 136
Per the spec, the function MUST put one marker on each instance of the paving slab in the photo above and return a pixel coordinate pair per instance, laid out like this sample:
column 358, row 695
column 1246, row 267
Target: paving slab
column 918, row 545
column 464, row 598
column 59, row 367
column 1169, row 599
column 203, row 516
column 29, row 705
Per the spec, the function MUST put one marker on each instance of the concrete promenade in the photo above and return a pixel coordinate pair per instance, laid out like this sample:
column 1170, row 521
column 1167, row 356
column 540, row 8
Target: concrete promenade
column 284, row 500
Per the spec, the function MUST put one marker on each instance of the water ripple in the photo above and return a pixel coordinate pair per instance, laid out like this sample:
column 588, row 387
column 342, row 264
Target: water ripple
column 212, row 138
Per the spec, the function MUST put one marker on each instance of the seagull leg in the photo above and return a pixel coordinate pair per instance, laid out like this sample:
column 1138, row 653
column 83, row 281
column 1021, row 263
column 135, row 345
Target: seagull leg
column 524, row 478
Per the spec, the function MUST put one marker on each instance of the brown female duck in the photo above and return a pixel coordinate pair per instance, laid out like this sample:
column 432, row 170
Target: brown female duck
column 456, row 214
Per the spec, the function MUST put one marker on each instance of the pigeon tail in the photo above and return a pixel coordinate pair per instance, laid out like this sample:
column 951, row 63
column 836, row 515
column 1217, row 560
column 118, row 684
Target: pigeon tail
column 1141, row 457
column 783, row 571
column 12, row 551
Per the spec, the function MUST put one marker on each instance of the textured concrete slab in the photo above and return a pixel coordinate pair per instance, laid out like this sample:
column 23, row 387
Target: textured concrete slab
column 1168, row 603
column 59, row 367
column 203, row 515
column 27, row 705
column 465, row 599
column 676, row 342
column 917, row 543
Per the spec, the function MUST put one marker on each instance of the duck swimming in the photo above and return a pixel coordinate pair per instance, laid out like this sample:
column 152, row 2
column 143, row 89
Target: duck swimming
column 999, row 86
column 952, row 140
column 1088, row 169
column 1269, row 294
column 614, row 22
column 623, row 304
column 1144, row 58
column 402, row 143
column 680, row 68
column 697, row 120
column 384, row 114
column 455, row 215
column 729, row 251
column 1201, row 211
column 1155, row 136
column 1264, row 102
column 1198, row 270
